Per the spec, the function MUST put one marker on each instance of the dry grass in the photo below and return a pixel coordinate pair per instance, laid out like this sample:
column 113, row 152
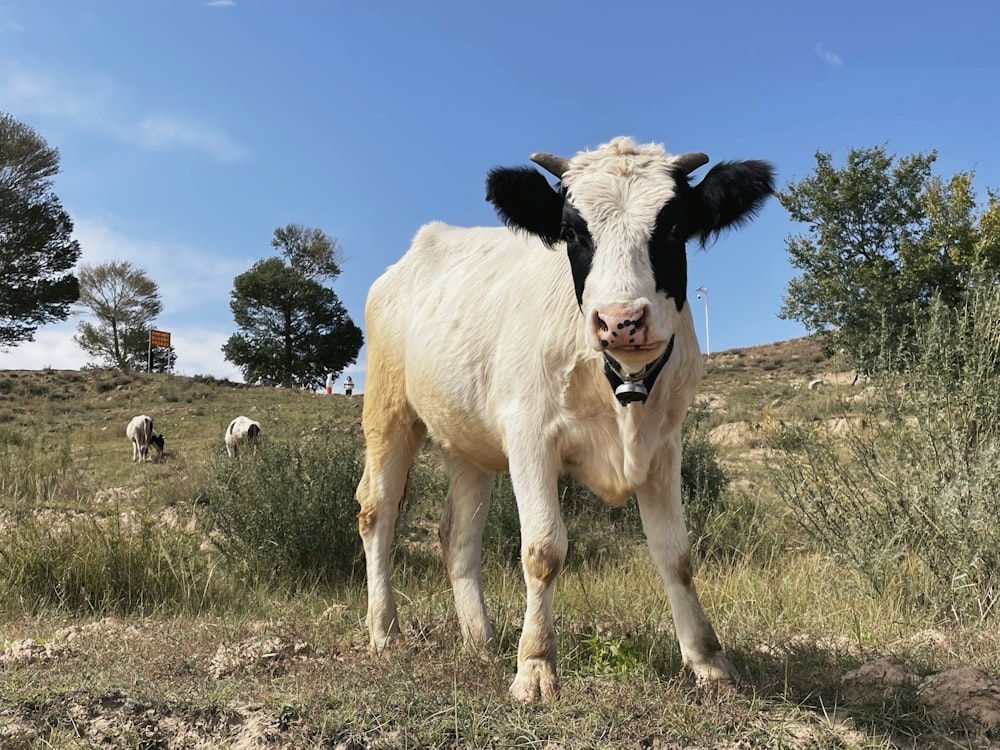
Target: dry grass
column 266, row 664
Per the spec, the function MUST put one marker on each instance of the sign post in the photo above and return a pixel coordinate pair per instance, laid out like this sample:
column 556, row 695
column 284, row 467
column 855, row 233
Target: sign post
column 159, row 339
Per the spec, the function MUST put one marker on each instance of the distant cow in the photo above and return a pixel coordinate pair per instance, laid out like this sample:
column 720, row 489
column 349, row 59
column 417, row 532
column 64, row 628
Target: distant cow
column 140, row 431
column 584, row 361
column 241, row 434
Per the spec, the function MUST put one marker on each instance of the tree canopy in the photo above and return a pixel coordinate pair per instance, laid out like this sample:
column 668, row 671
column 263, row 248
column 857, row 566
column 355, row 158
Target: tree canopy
column 884, row 237
column 37, row 253
column 124, row 302
column 293, row 329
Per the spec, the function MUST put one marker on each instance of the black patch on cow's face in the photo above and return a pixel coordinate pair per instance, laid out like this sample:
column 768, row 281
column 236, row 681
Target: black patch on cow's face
column 667, row 252
column 579, row 248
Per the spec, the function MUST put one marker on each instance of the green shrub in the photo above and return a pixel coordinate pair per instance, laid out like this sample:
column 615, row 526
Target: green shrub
column 911, row 500
column 614, row 656
column 288, row 510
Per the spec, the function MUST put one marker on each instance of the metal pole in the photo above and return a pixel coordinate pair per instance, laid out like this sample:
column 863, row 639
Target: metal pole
column 149, row 352
column 703, row 294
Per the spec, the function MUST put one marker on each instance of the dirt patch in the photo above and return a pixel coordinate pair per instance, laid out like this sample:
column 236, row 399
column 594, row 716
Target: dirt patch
column 28, row 651
column 877, row 681
column 270, row 654
column 735, row 434
column 969, row 695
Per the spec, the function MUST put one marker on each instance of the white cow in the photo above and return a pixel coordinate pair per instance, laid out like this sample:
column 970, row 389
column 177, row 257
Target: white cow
column 140, row 431
column 584, row 361
column 241, row 434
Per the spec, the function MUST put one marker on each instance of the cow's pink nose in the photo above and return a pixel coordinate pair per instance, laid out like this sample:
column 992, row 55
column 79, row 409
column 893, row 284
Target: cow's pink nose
column 621, row 326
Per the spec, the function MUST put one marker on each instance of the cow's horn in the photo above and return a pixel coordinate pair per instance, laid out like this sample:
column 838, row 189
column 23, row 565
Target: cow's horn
column 554, row 164
column 690, row 161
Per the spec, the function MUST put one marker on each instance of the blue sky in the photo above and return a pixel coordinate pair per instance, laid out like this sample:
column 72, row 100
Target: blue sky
column 189, row 130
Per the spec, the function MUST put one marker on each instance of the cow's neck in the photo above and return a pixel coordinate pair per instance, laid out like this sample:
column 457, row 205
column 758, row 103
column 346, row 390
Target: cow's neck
column 631, row 388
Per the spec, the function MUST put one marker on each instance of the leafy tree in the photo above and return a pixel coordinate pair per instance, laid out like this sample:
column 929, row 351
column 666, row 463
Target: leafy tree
column 36, row 252
column 293, row 328
column 124, row 302
column 884, row 238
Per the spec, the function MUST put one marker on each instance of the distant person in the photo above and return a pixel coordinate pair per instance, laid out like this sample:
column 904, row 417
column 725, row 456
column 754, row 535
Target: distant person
column 348, row 386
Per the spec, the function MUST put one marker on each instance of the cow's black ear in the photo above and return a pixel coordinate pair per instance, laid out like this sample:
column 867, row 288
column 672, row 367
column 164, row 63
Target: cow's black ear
column 525, row 201
column 731, row 194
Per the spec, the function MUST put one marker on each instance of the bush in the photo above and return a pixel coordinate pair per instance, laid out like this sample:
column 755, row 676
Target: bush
column 911, row 501
column 288, row 510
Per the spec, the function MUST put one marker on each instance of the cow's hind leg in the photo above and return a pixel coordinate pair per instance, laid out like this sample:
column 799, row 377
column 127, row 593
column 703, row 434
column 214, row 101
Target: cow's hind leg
column 392, row 438
column 663, row 522
column 466, row 508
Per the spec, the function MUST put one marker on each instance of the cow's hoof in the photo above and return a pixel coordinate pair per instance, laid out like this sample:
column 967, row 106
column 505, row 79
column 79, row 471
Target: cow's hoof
column 716, row 673
column 536, row 680
column 380, row 643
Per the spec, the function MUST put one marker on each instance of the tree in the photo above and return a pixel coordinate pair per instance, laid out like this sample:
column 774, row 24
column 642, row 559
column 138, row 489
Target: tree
column 36, row 251
column 124, row 301
column 293, row 328
column 884, row 238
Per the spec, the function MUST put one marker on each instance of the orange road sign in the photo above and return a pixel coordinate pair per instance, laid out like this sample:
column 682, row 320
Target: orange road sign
column 159, row 338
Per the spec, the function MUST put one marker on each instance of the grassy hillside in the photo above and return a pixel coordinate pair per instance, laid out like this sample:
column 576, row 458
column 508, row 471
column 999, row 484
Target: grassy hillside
column 193, row 641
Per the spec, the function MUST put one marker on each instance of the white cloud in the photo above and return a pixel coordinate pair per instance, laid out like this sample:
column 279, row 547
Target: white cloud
column 165, row 132
column 199, row 352
column 191, row 280
column 830, row 58
column 221, row 3
column 53, row 347
column 91, row 104
column 34, row 93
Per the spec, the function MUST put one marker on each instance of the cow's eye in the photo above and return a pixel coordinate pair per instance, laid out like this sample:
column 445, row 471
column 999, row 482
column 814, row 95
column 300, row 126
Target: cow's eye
column 568, row 234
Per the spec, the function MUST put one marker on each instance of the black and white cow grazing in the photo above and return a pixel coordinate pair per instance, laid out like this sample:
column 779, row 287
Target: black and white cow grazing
column 583, row 361
column 242, row 433
column 140, row 431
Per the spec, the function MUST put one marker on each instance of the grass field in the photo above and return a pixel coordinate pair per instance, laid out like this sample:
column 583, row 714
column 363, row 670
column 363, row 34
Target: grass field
column 173, row 604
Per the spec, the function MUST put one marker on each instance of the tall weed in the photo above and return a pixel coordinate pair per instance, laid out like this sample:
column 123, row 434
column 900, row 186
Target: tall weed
column 92, row 565
column 911, row 497
column 33, row 476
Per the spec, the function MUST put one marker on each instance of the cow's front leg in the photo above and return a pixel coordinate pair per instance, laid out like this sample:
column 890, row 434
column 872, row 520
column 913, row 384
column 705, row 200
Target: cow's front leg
column 663, row 521
column 543, row 552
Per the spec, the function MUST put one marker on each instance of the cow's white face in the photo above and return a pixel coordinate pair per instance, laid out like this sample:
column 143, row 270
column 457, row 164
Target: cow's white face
column 624, row 213
column 629, row 271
